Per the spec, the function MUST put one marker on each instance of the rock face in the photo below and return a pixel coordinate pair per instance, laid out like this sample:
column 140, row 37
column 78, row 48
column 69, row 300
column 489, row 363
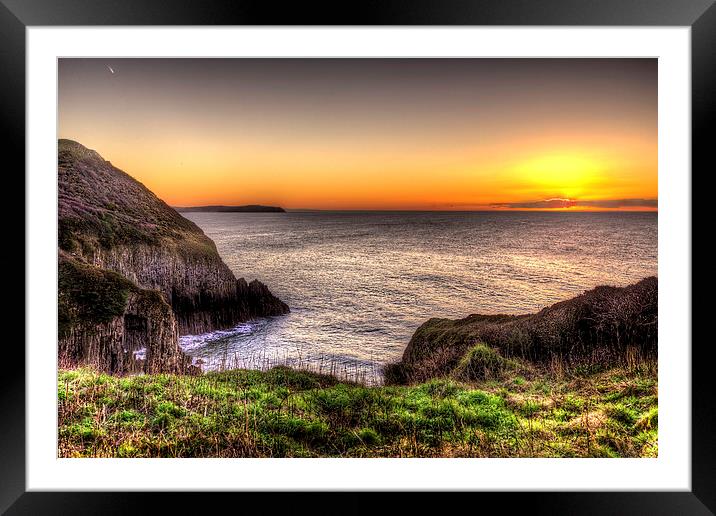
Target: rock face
column 104, row 318
column 200, row 288
column 601, row 325
column 150, row 273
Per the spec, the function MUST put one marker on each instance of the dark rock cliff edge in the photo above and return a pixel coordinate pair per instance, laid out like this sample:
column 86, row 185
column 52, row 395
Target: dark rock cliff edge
column 134, row 273
column 602, row 325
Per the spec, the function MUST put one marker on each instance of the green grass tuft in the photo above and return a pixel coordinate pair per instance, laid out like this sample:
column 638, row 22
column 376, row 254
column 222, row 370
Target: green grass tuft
column 482, row 362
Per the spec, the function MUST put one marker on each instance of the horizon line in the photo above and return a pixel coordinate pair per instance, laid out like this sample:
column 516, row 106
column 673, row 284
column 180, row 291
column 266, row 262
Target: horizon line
column 480, row 211
column 288, row 210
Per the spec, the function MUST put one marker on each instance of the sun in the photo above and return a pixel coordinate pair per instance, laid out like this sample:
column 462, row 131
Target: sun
column 560, row 175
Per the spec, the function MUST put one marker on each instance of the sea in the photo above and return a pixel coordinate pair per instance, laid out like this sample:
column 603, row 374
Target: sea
column 360, row 283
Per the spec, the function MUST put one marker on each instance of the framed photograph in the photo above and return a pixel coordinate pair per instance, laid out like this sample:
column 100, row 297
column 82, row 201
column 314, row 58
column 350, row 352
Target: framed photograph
column 418, row 248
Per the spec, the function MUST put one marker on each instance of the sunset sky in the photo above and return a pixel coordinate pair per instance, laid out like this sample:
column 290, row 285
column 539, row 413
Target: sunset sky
column 433, row 134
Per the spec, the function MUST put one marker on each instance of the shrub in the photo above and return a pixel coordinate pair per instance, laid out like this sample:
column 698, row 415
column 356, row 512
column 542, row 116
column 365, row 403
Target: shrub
column 395, row 374
column 482, row 362
column 368, row 436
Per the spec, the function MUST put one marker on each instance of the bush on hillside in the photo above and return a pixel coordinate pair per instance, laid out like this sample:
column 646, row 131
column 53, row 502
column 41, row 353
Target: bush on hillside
column 482, row 362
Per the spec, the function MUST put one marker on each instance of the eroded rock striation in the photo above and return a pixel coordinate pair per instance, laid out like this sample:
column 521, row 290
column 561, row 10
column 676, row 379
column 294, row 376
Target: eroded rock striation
column 134, row 273
column 602, row 325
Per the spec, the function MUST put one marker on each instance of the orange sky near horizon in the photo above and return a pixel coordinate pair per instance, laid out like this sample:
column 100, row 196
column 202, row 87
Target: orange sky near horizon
column 416, row 135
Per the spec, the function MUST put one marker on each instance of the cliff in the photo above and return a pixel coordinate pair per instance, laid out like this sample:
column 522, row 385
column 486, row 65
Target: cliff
column 602, row 325
column 103, row 318
column 162, row 274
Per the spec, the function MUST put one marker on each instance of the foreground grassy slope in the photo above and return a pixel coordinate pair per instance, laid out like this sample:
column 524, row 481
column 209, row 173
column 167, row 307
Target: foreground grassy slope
column 287, row 413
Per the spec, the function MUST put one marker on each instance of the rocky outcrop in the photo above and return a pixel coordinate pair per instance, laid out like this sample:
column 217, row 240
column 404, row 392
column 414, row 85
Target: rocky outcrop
column 116, row 235
column 602, row 325
column 105, row 318
column 200, row 288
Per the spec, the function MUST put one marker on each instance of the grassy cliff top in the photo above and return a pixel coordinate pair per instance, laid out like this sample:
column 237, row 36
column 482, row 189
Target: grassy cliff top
column 100, row 205
column 89, row 294
column 602, row 325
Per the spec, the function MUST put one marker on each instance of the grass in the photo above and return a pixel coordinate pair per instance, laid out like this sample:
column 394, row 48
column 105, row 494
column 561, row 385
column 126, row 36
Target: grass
column 288, row 413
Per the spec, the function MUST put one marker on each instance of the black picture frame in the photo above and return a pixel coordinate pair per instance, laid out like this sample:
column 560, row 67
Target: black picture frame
column 17, row 15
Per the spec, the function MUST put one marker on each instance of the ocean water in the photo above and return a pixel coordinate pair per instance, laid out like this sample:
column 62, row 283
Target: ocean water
column 360, row 283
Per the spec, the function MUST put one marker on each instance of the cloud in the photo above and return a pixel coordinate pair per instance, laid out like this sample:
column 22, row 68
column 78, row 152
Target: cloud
column 621, row 203
column 544, row 204
column 547, row 204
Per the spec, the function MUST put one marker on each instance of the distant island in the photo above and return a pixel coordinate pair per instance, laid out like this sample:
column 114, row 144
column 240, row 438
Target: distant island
column 250, row 208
